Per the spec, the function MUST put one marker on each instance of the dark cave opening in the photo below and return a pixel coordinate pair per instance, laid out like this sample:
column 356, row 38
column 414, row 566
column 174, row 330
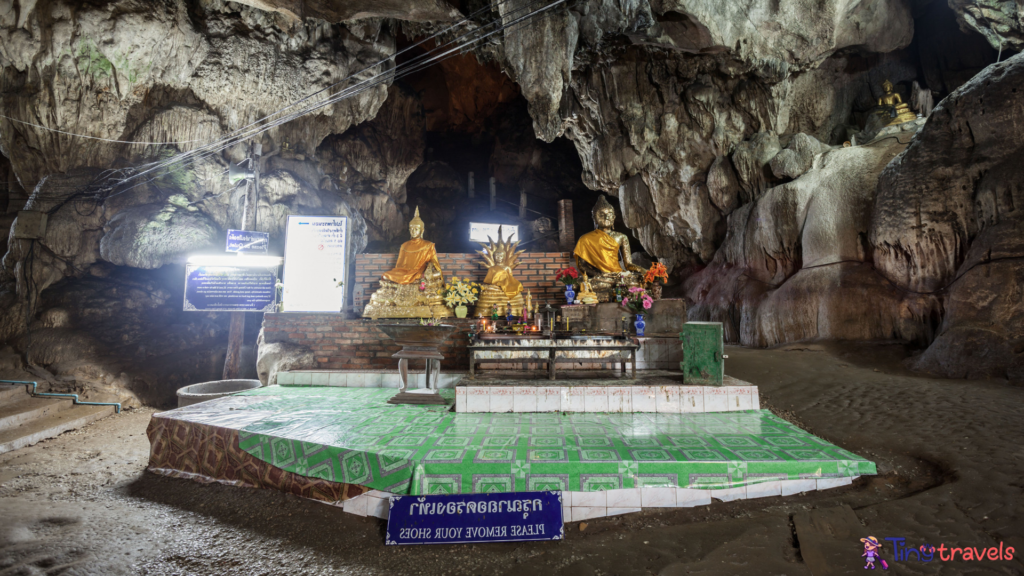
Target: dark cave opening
column 477, row 122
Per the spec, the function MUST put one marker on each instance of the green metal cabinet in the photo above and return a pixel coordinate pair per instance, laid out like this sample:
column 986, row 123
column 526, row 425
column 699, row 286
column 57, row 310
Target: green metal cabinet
column 702, row 363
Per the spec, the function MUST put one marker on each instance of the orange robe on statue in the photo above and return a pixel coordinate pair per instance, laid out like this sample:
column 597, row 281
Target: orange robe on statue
column 413, row 258
column 501, row 276
column 600, row 250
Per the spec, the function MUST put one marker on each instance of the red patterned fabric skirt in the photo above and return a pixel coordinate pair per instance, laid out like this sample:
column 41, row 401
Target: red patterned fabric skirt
column 206, row 453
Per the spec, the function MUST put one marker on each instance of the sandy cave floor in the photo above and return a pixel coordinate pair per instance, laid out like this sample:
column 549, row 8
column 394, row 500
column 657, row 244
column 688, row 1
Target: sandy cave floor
column 950, row 457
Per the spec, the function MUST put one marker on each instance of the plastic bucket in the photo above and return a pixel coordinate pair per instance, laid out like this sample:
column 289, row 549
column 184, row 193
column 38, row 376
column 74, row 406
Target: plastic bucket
column 209, row 390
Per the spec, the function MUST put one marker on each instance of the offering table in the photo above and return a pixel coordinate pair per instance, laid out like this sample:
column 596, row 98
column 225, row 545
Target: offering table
column 551, row 351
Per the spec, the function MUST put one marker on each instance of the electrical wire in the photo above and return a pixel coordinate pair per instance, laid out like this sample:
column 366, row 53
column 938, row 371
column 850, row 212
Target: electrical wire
column 99, row 138
column 413, row 66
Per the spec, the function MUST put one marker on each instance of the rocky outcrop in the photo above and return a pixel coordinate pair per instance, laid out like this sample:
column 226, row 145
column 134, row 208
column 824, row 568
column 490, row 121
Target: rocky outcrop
column 109, row 71
column 373, row 160
column 279, row 357
column 412, row 10
column 1000, row 22
column 947, row 221
column 719, row 126
column 796, row 264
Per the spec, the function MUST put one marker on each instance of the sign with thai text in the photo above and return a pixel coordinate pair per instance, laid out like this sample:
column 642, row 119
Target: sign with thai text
column 315, row 263
column 463, row 518
column 230, row 288
column 248, row 241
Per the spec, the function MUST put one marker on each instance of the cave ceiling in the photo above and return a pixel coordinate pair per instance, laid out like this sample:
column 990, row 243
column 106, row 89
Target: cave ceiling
column 741, row 141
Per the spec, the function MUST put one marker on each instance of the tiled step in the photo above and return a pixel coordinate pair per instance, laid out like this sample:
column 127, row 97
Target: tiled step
column 50, row 426
column 669, row 399
column 577, row 506
column 28, row 409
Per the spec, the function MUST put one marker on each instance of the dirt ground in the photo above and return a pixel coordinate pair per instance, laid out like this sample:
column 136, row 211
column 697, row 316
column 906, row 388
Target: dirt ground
column 950, row 456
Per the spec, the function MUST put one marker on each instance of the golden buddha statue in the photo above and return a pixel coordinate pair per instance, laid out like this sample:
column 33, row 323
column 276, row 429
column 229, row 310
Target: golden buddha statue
column 586, row 294
column 899, row 110
column 598, row 252
column 412, row 288
column 499, row 287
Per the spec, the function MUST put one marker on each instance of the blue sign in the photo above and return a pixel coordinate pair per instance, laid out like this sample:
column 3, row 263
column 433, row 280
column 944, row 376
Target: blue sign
column 462, row 518
column 248, row 241
column 230, row 288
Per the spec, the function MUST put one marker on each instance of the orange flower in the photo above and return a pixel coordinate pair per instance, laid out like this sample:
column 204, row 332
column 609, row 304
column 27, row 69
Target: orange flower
column 657, row 271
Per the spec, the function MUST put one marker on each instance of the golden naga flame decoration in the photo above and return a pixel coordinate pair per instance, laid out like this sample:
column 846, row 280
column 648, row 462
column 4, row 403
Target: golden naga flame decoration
column 506, row 248
column 500, row 287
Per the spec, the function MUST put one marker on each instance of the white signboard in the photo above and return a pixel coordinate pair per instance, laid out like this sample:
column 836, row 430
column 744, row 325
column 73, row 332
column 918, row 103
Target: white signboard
column 314, row 263
column 478, row 232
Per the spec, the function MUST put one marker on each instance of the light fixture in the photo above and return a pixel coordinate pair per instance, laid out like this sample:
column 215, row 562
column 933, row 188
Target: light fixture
column 236, row 173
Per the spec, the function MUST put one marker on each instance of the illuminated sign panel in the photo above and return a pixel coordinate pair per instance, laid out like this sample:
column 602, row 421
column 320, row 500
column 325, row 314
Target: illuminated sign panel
column 478, row 231
column 315, row 262
column 220, row 288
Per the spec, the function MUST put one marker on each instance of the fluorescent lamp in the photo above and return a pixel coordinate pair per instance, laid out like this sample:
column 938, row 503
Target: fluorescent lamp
column 240, row 260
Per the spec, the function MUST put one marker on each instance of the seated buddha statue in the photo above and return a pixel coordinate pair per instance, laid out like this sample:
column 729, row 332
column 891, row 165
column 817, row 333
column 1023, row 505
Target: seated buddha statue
column 586, row 294
column 412, row 288
column 899, row 111
column 598, row 254
column 499, row 287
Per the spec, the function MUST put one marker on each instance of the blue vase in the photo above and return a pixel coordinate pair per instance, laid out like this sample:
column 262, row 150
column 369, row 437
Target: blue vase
column 640, row 325
column 570, row 296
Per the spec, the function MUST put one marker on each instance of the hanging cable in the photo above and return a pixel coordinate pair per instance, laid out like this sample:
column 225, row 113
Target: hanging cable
column 99, row 138
column 432, row 56
column 413, row 66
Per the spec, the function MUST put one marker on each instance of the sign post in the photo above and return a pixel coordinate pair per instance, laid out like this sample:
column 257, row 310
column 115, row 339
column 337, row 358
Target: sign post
column 464, row 518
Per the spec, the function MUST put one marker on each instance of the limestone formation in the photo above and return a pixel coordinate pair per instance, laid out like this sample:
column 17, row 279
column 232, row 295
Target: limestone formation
column 947, row 221
column 718, row 126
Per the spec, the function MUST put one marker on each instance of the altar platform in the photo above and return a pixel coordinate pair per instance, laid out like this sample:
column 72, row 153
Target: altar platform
column 348, row 447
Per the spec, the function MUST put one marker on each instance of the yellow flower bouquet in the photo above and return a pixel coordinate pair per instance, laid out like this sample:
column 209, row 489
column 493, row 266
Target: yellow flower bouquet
column 459, row 293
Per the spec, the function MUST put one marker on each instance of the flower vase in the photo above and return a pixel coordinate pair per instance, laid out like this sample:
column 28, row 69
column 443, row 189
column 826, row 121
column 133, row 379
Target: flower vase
column 460, row 311
column 640, row 325
column 656, row 291
column 570, row 295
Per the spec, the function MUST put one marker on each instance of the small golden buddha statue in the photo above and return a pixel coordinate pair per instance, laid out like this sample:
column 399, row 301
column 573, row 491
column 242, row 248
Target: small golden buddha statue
column 412, row 288
column 598, row 252
column 586, row 294
column 499, row 287
column 899, row 111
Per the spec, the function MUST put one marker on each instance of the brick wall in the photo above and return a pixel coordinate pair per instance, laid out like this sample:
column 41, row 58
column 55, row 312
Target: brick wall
column 340, row 344
column 536, row 271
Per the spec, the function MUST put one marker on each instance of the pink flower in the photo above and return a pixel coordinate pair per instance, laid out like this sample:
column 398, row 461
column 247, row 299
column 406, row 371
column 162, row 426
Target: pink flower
column 647, row 304
column 625, row 301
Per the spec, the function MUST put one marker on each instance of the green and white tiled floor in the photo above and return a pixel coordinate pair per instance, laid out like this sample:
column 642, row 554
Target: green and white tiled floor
column 609, row 463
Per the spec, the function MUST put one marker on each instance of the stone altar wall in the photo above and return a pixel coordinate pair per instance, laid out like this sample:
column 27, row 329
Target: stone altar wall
column 341, row 344
column 536, row 271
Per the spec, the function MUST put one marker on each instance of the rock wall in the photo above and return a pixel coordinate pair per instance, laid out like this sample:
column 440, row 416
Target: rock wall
column 719, row 126
column 948, row 219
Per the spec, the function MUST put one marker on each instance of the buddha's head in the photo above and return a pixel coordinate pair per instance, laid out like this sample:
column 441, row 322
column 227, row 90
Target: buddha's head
column 887, row 87
column 416, row 225
column 604, row 214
